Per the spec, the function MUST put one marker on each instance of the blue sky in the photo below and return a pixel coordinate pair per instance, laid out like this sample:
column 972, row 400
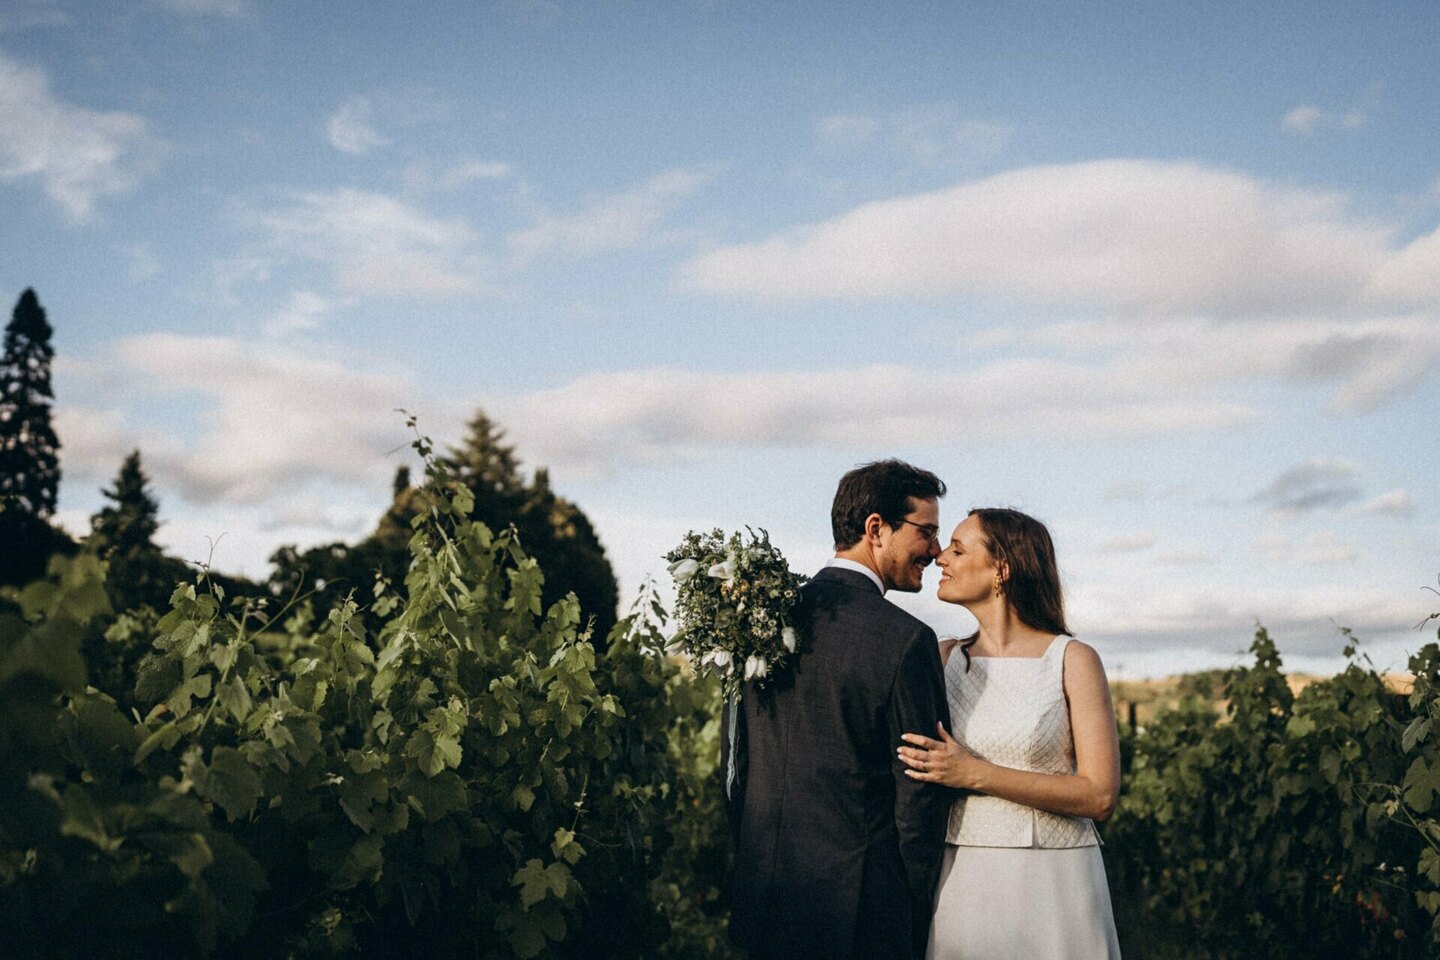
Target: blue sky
column 1166, row 276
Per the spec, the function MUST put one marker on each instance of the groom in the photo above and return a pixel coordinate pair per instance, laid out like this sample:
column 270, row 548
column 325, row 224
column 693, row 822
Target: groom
column 837, row 851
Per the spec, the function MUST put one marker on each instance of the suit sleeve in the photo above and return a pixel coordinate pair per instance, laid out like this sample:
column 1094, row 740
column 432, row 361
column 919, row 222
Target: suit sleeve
column 917, row 702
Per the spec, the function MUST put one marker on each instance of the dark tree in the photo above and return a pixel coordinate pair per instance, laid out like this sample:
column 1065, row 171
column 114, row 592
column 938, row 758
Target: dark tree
column 129, row 523
column 29, row 449
column 140, row 574
column 552, row 529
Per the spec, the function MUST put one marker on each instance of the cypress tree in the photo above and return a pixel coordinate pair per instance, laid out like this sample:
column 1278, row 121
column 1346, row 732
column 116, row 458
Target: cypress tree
column 140, row 574
column 129, row 523
column 29, row 449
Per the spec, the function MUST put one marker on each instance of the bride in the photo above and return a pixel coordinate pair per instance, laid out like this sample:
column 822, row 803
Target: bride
column 1035, row 755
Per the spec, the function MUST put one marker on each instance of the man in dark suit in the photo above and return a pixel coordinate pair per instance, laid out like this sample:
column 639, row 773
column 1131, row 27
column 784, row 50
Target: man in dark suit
column 837, row 851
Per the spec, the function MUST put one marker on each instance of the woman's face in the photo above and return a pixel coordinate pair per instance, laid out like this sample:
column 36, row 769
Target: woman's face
column 967, row 572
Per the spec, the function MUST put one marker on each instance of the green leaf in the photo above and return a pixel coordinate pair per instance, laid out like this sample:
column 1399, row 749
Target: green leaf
column 156, row 677
column 51, row 652
column 179, row 699
column 1416, row 732
column 234, row 698
column 533, row 882
column 102, row 735
column 228, row 780
column 527, row 940
column 1418, row 789
column 565, row 847
column 362, row 864
column 523, row 797
column 1300, row 725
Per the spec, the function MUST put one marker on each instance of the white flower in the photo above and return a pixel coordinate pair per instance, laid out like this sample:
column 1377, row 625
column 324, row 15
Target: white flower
column 721, row 659
column 683, row 570
column 723, row 571
column 675, row 647
column 755, row 667
column 787, row 636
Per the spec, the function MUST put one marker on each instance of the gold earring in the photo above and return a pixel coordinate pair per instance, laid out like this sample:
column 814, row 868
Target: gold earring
column 999, row 585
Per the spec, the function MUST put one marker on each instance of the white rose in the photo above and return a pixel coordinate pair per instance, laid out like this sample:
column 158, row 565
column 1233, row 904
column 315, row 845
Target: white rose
column 683, row 570
column 755, row 667
column 723, row 571
column 787, row 637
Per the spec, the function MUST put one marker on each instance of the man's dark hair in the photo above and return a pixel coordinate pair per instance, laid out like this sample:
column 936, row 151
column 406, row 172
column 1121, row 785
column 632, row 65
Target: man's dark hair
column 884, row 487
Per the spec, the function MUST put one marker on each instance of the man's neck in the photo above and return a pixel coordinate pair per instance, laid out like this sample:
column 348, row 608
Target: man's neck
column 863, row 561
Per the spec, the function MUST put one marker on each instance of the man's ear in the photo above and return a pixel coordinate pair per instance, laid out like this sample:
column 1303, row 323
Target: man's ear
column 873, row 523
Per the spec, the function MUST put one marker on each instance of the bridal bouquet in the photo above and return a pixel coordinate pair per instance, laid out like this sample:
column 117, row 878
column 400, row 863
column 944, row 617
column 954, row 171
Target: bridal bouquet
column 734, row 597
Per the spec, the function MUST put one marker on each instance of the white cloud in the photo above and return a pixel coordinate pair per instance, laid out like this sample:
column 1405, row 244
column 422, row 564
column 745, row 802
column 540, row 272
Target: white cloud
column 1315, row 550
column 1302, row 119
column 1081, row 381
column 612, row 222
column 78, row 155
column 1185, row 558
column 351, row 131
column 1367, row 361
column 847, row 130
column 377, row 244
column 1138, row 236
column 1128, row 543
column 1135, row 492
column 421, row 176
column 274, row 419
column 303, row 311
column 1316, row 484
column 1132, row 618
column 1307, row 119
column 1397, row 504
column 599, row 421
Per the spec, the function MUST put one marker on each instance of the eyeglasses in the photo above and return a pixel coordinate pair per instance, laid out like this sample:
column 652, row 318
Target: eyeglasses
column 929, row 531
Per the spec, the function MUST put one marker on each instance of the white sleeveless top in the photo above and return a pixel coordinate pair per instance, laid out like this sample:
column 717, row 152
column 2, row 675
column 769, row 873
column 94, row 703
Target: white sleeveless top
column 1011, row 711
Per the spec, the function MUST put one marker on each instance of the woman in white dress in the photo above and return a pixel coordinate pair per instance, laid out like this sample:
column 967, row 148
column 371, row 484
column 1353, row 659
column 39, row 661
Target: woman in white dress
column 1035, row 755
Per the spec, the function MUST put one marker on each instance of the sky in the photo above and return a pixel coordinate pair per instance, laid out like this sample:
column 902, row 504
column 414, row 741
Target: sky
column 1165, row 276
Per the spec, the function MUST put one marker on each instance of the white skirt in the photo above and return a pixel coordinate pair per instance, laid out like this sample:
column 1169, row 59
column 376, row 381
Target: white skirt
column 1022, row 903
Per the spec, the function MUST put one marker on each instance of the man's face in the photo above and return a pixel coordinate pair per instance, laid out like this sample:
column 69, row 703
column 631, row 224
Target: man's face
column 907, row 548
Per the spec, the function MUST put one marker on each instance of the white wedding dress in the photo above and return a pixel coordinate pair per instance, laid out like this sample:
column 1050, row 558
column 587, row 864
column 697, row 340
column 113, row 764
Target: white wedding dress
column 1018, row 883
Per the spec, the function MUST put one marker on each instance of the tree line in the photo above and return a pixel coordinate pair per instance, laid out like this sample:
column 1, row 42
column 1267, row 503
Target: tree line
column 553, row 529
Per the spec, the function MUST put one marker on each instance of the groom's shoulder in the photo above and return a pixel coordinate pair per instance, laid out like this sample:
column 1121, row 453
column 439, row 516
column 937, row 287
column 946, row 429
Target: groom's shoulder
column 903, row 620
column 851, row 591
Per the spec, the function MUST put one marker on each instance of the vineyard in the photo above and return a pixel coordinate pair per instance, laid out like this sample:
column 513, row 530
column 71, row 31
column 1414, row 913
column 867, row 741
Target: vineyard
column 481, row 777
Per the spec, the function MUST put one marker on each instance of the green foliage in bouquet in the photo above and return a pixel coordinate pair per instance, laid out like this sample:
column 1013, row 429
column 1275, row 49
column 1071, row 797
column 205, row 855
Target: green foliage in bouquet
column 734, row 602
column 472, row 779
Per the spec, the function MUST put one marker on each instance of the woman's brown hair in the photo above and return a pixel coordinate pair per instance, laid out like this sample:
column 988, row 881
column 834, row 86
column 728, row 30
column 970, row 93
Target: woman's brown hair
column 1022, row 544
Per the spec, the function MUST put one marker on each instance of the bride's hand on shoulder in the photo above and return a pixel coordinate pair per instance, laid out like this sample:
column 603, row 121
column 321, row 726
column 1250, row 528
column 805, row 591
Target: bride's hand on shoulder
column 942, row 761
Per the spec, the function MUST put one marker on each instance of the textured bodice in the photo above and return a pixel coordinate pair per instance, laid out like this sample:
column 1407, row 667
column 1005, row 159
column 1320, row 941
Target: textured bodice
column 1011, row 711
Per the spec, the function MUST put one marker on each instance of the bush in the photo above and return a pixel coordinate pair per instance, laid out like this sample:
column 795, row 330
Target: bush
column 471, row 779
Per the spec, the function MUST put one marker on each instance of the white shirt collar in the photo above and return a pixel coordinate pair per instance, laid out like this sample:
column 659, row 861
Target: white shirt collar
column 845, row 564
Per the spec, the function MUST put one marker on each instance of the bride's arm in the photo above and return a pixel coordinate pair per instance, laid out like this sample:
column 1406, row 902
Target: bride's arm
column 1089, row 792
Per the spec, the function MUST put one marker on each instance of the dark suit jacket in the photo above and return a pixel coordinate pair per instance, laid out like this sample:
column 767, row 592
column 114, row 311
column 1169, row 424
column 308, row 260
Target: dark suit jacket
column 837, row 851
